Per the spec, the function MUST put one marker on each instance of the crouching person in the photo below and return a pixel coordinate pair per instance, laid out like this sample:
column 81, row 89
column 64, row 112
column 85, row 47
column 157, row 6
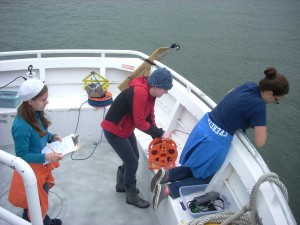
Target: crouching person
column 134, row 108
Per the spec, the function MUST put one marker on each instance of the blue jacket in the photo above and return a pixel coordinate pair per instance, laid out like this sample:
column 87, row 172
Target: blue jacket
column 28, row 143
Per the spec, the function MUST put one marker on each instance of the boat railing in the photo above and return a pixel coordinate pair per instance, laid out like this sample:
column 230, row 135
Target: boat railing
column 282, row 201
column 64, row 52
column 30, row 184
column 41, row 53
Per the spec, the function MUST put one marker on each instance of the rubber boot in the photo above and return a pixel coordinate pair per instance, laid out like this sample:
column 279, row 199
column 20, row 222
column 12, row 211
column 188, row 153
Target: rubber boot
column 120, row 186
column 133, row 199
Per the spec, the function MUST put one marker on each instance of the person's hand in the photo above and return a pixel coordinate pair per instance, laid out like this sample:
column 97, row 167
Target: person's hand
column 53, row 157
column 57, row 138
column 167, row 135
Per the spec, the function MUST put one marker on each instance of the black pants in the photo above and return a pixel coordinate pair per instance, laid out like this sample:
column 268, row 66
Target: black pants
column 127, row 150
column 183, row 176
column 47, row 219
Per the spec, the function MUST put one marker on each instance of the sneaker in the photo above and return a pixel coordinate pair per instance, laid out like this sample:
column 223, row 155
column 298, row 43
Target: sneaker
column 159, row 178
column 158, row 195
column 56, row 222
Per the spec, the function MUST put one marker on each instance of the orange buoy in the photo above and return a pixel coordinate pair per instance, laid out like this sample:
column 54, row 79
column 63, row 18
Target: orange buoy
column 162, row 154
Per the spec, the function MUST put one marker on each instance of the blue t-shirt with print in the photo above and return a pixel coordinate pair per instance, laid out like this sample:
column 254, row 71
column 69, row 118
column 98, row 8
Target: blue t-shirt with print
column 241, row 108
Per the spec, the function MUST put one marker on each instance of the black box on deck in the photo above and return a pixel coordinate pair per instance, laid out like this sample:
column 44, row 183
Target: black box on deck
column 187, row 194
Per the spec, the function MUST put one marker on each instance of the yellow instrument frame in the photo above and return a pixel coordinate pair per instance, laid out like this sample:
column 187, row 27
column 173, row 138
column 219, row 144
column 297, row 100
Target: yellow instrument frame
column 87, row 80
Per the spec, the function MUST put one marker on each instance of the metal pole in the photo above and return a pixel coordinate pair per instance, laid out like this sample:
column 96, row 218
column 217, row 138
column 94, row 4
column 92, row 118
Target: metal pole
column 30, row 184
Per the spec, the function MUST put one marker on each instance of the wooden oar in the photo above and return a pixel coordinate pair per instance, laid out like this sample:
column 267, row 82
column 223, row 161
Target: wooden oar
column 144, row 68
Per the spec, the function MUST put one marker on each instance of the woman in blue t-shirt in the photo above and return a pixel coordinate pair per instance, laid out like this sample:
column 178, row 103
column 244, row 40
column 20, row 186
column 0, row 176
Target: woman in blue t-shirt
column 209, row 141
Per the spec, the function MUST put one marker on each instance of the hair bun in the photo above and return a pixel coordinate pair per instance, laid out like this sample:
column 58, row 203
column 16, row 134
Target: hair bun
column 270, row 73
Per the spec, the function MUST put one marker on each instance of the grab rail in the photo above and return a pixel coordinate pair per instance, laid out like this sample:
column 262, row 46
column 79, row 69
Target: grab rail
column 30, row 184
column 39, row 53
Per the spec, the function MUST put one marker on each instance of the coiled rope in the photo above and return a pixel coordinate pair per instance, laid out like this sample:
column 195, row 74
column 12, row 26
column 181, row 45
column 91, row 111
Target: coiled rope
column 240, row 218
column 218, row 218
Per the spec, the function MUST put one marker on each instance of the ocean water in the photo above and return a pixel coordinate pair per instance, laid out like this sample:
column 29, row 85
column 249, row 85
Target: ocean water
column 223, row 44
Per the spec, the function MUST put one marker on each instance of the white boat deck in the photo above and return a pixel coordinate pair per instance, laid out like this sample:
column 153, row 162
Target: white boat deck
column 85, row 190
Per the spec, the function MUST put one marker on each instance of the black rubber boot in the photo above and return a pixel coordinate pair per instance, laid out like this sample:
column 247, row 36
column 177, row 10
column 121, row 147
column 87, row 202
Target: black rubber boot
column 133, row 199
column 120, row 186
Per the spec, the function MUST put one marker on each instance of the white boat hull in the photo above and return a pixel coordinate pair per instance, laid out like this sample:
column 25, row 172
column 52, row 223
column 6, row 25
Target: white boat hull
column 179, row 110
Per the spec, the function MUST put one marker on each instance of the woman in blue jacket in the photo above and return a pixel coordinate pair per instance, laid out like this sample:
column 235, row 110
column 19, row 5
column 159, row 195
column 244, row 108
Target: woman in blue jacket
column 30, row 136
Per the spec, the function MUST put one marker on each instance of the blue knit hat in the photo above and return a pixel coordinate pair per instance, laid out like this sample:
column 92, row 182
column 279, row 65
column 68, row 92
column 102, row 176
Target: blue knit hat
column 161, row 78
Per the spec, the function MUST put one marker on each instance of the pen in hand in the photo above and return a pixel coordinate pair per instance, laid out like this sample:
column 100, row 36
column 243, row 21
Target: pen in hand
column 51, row 148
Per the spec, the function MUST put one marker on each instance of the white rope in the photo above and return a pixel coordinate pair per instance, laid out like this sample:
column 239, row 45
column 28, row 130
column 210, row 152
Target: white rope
column 220, row 217
column 271, row 177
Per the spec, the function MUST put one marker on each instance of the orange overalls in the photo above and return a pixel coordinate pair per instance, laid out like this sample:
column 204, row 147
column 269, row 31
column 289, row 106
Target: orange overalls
column 43, row 173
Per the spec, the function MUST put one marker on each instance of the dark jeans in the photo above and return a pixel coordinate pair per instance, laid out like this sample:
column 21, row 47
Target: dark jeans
column 183, row 176
column 47, row 220
column 127, row 150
